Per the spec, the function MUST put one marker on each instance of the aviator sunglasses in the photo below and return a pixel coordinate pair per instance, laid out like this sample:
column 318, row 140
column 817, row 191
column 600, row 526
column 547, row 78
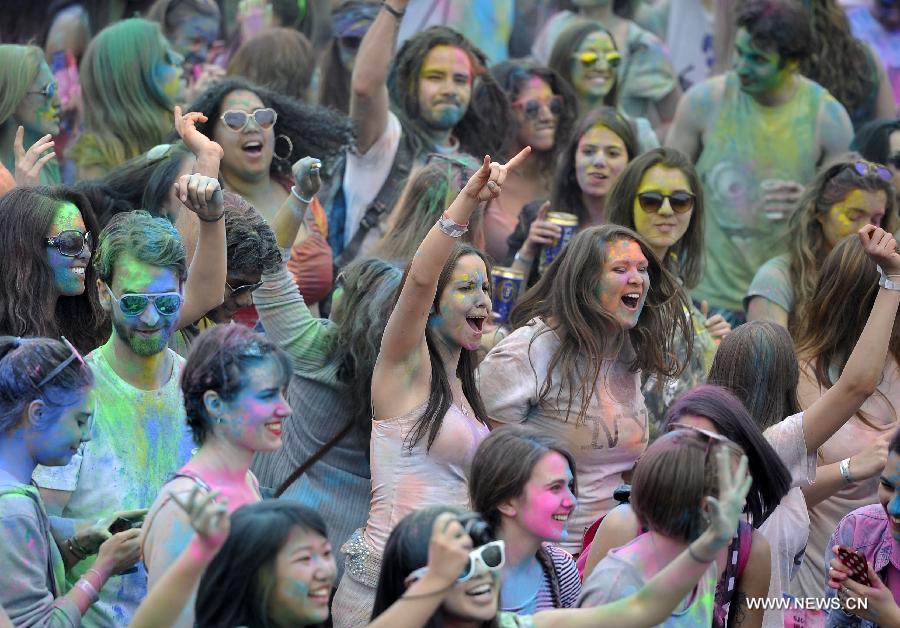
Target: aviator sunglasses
column 71, row 243
column 49, row 90
column 166, row 303
column 492, row 555
column 237, row 121
column 247, row 287
column 589, row 58
column 652, row 202
column 532, row 108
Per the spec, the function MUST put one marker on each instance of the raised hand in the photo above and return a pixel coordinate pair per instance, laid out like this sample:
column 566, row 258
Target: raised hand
column 725, row 512
column 196, row 142
column 881, row 247
column 487, row 182
column 202, row 195
column 306, row 176
column 448, row 550
column 30, row 163
column 208, row 518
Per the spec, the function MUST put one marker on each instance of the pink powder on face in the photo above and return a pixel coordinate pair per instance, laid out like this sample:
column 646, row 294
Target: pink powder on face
column 548, row 494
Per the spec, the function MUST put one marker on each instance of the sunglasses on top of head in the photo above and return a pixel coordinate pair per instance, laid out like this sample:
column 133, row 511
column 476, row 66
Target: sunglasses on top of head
column 867, row 168
column 652, row 202
column 71, row 243
column 237, row 121
column 532, row 108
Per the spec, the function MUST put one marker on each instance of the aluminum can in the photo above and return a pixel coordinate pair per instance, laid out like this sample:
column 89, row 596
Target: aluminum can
column 569, row 225
column 508, row 284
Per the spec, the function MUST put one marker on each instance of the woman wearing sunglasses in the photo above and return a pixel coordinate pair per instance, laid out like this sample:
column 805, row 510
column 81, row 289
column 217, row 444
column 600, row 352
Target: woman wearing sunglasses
column 544, row 110
column 596, row 153
column 233, row 385
column 844, row 196
column 264, row 135
column 442, row 570
column 659, row 196
column 46, row 411
column 879, row 142
column 29, row 115
column 587, row 57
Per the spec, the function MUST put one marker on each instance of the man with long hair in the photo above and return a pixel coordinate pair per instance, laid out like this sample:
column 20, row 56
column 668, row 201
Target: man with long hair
column 434, row 96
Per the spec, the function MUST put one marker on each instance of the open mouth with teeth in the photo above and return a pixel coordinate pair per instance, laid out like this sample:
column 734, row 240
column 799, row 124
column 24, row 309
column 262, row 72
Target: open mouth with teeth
column 563, row 517
column 476, row 323
column 484, row 591
column 274, row 427
column 631, row 300
column 252, row 148
column 320, row 595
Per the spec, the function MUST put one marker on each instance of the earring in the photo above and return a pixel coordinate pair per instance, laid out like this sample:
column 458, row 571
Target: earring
column 290, row 147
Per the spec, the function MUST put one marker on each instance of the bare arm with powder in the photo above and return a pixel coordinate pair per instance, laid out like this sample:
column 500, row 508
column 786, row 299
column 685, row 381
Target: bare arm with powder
column 695, row 109
column 201, row 193
column 402, row 375
column 369, row 99
column 834, row 129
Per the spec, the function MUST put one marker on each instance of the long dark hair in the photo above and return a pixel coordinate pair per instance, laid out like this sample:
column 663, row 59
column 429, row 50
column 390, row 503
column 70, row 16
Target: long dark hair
column 568, row 42
column 685, row 258
column 440, row 396
column 568, row 292
column 873, row 140
column 313, row 130
column 359, row 318
column 771, row 479
column 565, row 194
column 512, row 76
column 488, row 119
column 334, row 78
column 405, row 551
column 27, row 291
column 236, row 588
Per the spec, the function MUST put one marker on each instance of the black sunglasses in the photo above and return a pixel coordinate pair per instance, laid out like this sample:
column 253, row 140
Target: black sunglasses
column 652, row 202
column 49, row 90
column 247, row 287
column 532, row 108
column 237, row 121
column 71, row 243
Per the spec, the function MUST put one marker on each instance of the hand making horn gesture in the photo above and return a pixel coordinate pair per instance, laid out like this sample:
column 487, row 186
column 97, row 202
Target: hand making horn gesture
column 487, row 182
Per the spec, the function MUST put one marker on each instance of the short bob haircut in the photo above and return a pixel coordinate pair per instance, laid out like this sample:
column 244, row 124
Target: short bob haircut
column 671, row 479
column 684, row 259
column 771, row 479
column 503, row 465
column 565, row 193
column 217, row 362
column 239, row 583
column 779, row 25
column 150, row 240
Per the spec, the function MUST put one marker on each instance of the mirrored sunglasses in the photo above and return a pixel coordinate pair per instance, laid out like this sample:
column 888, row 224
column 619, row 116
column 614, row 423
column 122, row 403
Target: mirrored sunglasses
column 589, row 58
column 532, row 108
column 866, row 168
column 71, row 243
column 652, row 202
column 166, row 303
column 237, row 121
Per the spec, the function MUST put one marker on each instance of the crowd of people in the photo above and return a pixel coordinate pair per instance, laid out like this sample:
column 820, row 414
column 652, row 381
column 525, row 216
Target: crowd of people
column 425, row 313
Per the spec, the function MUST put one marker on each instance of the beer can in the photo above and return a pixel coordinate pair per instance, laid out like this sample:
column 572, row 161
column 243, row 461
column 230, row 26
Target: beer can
column 568, row 223
column 508, row 285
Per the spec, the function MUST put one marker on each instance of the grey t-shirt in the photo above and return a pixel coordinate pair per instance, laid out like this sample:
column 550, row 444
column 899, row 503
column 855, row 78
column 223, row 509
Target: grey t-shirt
column 773, row 282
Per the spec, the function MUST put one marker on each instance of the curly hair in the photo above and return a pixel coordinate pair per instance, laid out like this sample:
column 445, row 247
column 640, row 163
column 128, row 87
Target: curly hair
column 359, row 318
column 568, row 42
column 565, row 192
column 250, row 241
column 512, row 76
column 568, row 292
column 779, row 25
column 28, row 299
column 24, row 363
column 217, row 361
column 684, row 259
column 807, row 247
column 313, row 130
column 488, row 119
column 839, row 62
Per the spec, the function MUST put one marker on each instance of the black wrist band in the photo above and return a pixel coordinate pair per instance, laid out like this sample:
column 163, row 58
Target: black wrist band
column 397, row 14
column 216, row 219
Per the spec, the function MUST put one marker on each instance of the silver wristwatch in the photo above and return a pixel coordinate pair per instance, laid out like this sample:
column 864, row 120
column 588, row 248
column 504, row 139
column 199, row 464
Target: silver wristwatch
column 451, row 228
column 885, row 282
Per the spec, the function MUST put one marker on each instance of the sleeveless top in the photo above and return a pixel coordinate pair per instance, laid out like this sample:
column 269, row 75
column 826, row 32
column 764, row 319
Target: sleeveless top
column 747, row 144
column 403, row 481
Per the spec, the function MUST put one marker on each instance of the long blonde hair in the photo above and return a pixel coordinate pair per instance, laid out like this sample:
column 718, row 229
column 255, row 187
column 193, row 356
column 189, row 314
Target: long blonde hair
column 19, row 66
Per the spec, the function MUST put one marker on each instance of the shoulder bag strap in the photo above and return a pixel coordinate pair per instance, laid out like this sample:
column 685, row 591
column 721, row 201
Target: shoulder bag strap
column 313, row 459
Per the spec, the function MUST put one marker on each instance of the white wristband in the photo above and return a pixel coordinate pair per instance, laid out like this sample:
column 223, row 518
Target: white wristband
column 296, row 195
column 845, row 470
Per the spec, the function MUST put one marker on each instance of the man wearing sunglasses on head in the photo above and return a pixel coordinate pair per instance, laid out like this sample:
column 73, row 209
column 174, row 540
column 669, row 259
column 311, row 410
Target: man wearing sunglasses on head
column 404, row 107
column 140, row 433
column 757, row 135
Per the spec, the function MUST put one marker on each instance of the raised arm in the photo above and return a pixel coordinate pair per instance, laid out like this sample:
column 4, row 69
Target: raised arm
column 404, row 335
column 288, row 220
column 866, row 363
column 201, row 193
column 369, row 100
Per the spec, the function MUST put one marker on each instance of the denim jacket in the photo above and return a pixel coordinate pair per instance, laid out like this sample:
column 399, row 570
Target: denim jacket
column 866, row 530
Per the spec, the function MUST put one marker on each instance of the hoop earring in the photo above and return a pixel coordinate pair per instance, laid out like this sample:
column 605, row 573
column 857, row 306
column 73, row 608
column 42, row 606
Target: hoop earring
column 290, row 147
